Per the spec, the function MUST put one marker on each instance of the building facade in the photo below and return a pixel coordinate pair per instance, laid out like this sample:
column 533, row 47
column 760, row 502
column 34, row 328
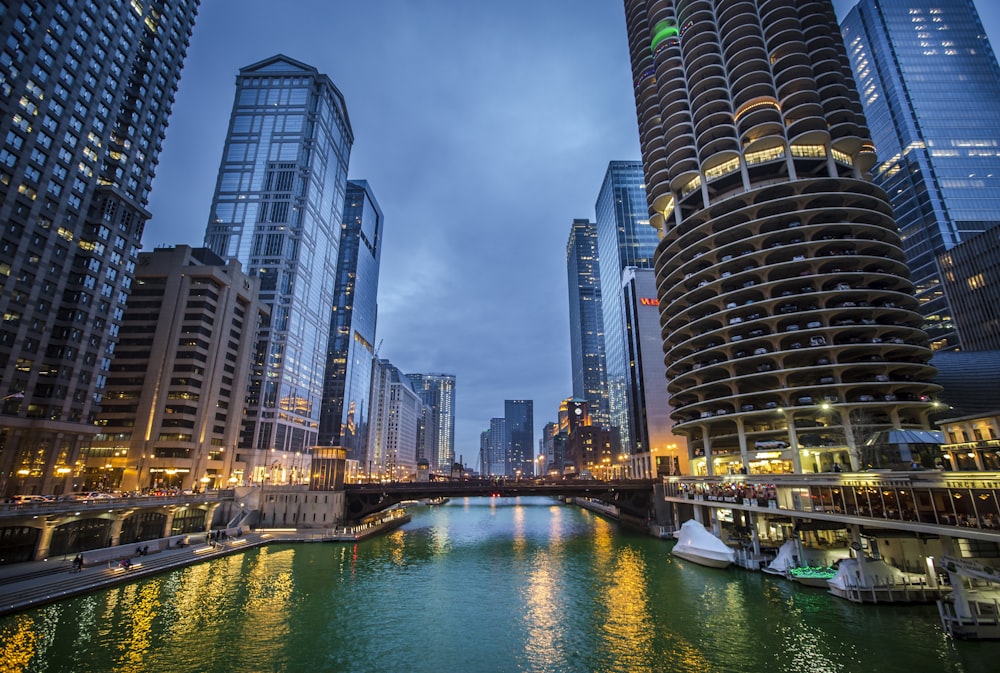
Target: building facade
column 173, row 408
column 586, row 319
column 395, row 425
column 789, row 324
column 520, row 416
column 438, row 441
column 347, row 384
column 970, row 276
column 278, row 208
column 940, row 169
column 496, row 448
column 624, row 239
column 653, row 427
column 86, row 90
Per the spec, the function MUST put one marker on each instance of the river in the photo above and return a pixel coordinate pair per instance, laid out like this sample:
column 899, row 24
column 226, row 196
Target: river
column 478, row 586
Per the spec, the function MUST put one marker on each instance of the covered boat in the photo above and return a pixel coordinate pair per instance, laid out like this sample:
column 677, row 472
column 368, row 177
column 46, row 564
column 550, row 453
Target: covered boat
column 784, row 561
column 878, row 582
column 697, row 545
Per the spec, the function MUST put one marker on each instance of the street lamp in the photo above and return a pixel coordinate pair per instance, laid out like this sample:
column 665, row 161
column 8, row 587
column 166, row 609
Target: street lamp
column 541, row 465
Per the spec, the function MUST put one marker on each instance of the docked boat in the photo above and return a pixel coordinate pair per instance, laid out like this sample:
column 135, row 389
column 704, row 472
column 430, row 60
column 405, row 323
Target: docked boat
column 972, row 611
column 877, row 582
column 697, row 545
column 784, row 561
column 813, row 576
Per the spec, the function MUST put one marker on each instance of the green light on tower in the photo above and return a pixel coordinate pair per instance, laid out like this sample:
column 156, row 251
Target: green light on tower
column 662, row 31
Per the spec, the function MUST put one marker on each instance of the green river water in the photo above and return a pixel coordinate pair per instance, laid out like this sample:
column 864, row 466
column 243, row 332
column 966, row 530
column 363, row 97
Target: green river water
column 478, row 586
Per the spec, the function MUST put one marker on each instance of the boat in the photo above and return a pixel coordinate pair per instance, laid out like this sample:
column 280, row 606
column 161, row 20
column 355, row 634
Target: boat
column 697, row 545
column 878, row 582
column 813, row 576
column 786, row 564
column 784, row 561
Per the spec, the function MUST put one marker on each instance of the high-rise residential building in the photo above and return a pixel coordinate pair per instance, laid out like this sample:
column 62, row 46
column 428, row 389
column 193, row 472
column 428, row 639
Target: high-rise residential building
column 278, row 208
column 345, row 412
column 438, row 393
column 624, row 239
column 586, row 320
column 917, row 63
column 173, row 406
column 791, row 333
column 520, row 416
column 550, row 450
column 85, row 92
column 396, row 409
column 653, row 427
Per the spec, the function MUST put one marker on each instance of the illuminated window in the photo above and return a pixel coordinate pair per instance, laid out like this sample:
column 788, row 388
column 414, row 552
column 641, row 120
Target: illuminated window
column 815, row 151
column 694, row 184
column 724, row 168
column 976, row 282
column 765, row 155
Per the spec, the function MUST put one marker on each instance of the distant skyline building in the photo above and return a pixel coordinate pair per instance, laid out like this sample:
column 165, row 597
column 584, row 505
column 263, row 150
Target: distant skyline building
column 396, row 409
column 173, row 410
column 520, row 415
column 278, row 208
column 624, row 238
column 347, row 384
column 87, row 89
column 586, row 319
column 792, row 338
column 496, row 448
column 930, row 86
column 438, row 393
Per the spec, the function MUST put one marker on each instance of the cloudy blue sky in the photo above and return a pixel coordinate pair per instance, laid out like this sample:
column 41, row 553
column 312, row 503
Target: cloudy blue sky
column 484, row 128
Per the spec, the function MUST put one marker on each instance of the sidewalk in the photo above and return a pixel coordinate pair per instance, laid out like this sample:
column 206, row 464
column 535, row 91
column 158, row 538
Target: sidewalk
column 26, row 585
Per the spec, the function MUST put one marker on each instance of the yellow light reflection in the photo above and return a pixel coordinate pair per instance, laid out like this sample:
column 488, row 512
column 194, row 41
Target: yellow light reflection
column 135, row 643
column 628, row 626
column 18, row 644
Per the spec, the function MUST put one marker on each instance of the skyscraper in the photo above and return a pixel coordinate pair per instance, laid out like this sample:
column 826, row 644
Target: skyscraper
column 496, row 451
column 174, row 403
column 653, row 428
column 919, row 62
column 520, row 417
column 86, row 90
column 278, row 209
column 438, row 393
column 624, row 238
column 586, row 321
column 344, row 418
column 396, row 409
column 788, row 319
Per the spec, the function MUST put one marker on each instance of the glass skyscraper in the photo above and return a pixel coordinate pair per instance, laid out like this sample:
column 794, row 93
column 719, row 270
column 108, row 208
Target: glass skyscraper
column 278, row 208
column 438, row 442
column 930, row 85
column 624, row 238
column 344, row 418
column 85, row 92
column 520, row 422
column 586, row 321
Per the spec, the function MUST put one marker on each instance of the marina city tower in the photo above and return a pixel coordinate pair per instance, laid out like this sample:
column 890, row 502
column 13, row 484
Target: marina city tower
column 791, row 335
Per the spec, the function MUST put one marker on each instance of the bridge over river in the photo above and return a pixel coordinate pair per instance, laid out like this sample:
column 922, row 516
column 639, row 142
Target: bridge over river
column 632, row 497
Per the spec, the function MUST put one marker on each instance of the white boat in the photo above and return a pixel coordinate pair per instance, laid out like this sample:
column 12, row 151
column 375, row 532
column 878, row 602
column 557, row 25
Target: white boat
column 697, row 545
column 878, row 582
column 784, row 561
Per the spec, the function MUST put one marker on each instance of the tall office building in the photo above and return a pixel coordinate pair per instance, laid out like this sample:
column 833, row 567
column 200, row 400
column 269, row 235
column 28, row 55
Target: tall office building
column 438, row 393
column 173, row 408
column 653, row 428
column 624, row 239
column 85, row 92
column 344, row 417
column 496, row 448
column 520, row 416
column 586, row 321
column 791, row 333
column 277, row 209
column 931, row 90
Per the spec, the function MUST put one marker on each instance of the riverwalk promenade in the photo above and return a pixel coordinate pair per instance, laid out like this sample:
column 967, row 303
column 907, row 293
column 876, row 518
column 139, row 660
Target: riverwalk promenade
column 27, row 585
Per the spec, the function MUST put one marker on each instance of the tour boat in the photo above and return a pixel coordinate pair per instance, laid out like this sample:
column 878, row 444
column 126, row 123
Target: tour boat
column 697, row 545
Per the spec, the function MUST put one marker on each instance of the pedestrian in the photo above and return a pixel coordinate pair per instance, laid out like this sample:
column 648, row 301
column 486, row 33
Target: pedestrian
column 78, row 563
